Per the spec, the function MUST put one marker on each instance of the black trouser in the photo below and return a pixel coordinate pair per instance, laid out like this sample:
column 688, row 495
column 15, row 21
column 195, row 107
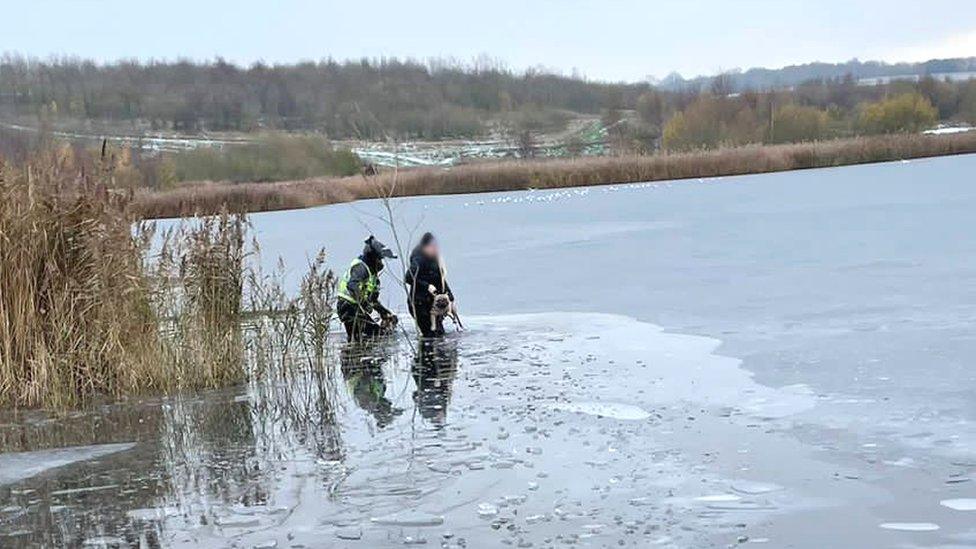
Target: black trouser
column 420, row 310
column 359, row 325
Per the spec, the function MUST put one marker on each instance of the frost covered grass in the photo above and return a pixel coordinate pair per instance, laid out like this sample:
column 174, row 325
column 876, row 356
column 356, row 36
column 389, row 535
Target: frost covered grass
column 209, row 198
column 90, row 308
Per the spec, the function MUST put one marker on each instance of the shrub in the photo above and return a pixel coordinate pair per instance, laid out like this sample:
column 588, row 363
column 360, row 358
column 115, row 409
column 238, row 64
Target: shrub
column 712, row 122
column 908, row 112
column 536, row 119
column 270, row 158
column 795, row 123
column 967, row 102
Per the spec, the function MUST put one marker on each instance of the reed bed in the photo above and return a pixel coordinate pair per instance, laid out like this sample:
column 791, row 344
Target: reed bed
column 91, row 305
column 210, row 197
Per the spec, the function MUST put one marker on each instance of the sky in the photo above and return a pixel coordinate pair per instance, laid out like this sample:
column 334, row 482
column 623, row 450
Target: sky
column 608, row 40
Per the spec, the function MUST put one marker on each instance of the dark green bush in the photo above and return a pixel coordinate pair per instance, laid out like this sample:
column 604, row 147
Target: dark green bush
column 270, row 158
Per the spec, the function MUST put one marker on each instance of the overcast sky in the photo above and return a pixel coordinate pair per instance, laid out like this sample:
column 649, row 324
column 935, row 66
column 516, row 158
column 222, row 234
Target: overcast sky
column 605, row 39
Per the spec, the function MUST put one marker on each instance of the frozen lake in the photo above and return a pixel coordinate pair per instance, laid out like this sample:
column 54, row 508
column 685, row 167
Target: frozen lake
column 781, row 359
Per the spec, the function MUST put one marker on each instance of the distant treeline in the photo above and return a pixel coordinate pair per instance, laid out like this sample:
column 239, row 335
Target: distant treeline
column 367, row 99
column 389, row 98
column 764, row 79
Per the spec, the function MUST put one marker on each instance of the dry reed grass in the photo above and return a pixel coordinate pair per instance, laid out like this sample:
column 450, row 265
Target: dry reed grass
column 75, row 314
column 206, row 198
column 89, row 309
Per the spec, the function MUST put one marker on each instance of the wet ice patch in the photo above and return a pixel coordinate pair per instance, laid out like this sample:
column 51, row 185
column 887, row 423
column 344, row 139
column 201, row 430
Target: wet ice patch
column 959, row 504
column 22, row 465
column 669, row 367
column 909, row 526
column 753, row 488
column 614, row 410
column 718, row 498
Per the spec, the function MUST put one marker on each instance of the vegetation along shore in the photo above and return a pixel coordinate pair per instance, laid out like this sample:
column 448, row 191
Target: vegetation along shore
column 204, row 198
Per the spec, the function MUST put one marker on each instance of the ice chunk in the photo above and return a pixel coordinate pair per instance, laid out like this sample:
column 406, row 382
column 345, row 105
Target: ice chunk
column 959, row 504
column 487, row 510
column 409, row 518
column 156, row 513
column 910, row 526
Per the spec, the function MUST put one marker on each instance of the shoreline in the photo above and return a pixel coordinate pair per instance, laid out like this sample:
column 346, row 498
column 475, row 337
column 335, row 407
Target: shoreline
column 213, row 197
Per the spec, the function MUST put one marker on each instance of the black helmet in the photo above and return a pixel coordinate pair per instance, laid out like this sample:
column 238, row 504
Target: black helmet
column 376, row 249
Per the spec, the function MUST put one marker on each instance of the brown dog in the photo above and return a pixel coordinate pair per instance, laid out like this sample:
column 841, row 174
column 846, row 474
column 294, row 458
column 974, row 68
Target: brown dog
column 443, row 308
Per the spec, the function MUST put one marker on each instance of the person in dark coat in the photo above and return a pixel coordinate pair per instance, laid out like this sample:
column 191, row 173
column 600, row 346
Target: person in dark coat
column 359, row 294
column 425, row 278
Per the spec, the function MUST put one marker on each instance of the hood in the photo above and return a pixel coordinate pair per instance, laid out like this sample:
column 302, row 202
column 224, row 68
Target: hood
column 377, row 249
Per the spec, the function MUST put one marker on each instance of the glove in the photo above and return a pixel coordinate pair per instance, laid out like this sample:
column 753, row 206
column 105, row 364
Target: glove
column 431, row 289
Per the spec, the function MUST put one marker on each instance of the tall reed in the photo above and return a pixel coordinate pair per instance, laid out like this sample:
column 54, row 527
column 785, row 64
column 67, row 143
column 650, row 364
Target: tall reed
column 75, row 313
column 94, row 304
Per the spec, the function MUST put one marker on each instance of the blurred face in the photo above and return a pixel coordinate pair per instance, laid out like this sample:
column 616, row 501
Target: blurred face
column 431, row 250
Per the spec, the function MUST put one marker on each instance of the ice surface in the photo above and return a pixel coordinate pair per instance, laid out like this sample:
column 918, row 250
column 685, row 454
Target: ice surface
column 685, row 368
column 754, row 488
column 717, row 498
column 612, row 410
column 19, row 466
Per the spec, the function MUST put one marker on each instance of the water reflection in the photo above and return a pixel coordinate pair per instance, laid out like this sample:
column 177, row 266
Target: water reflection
column 362, row 369
column 435, row 365
column 228, row 464
column 390, row 442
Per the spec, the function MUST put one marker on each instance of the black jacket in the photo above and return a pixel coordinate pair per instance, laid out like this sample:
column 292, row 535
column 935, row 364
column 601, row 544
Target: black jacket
column 424, row 272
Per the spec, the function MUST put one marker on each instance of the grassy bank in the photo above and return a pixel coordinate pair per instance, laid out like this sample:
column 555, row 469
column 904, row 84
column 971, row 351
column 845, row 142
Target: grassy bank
column 203, row 198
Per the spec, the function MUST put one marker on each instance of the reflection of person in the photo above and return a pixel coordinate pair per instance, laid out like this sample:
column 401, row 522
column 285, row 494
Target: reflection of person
column 434, row 368
column 362, row 370
column 426, row 279
column 359, row 294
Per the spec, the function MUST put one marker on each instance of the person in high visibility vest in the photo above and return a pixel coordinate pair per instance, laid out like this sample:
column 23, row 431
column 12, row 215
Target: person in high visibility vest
column 359, row 294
